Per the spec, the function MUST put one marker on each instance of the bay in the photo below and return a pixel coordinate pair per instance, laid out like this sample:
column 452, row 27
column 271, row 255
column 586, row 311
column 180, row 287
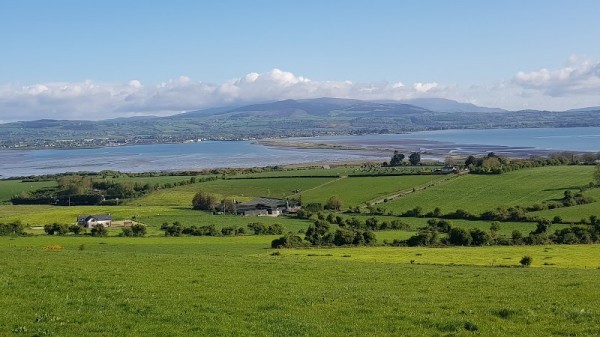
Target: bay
column 216, row 154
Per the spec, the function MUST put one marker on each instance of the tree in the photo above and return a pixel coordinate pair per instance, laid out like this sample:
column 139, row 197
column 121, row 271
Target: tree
column 204, row 201
column 479, row 237
column 414, row 158
column 317, row 234
column 459, row 237
column 397, row 159
column 56, row 228
column 471, row 160
column 517, row 237
column 228, row 206
column 334, row 203
column 495, row 227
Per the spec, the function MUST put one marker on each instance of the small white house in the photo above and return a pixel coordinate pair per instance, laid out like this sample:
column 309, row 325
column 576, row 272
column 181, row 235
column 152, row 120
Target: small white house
column 89, row 221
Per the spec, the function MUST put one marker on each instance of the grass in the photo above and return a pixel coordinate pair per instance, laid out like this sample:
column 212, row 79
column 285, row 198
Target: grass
column 241, row 189
column 235, row 287
column 9, row 188
column 356, row 190
column 479, row 193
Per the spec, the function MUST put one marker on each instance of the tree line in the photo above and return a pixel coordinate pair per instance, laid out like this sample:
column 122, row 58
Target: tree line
column 431, row 235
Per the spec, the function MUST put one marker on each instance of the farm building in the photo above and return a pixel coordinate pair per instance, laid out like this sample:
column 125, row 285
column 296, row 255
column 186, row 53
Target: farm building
column 89, row 221
column 448, row 169
column 264, row 206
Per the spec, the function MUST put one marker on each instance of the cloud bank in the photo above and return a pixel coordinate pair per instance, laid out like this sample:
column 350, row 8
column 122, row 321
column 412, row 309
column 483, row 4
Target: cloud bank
column 578, row 77
column 91, row 100
column 575, row 85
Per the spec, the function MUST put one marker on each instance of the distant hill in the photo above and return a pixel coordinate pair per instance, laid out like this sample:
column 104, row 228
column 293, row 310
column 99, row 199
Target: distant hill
column 322, row 107
column 287, row 118
column 448, row 105
column 591, row 108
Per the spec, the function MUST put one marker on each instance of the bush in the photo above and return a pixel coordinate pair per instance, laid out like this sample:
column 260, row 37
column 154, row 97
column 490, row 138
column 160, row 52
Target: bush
column 56, row 228
column 287, row 241
column 99, row 230
column 526, row 261
column 260, row 228
column 138, row 230
column 75, row 229
column 126, row 231
column 13, row 228
column 424, row 238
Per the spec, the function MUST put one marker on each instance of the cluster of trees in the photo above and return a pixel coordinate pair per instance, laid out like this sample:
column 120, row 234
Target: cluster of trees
column 431, row 235
column 398, row 159
column 87, row 189
column 210, row 202
column 136, row 230
column 494, row 164
column 177, row 229
column 11, row 228
column 516, row 213
column 98, row 230
column 321, row 234
column 372, row 223
column 62, row 229
column 257, row 228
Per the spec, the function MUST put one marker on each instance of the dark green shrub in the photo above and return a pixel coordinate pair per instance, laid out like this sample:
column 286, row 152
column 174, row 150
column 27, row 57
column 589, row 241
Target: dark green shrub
column 526, row 261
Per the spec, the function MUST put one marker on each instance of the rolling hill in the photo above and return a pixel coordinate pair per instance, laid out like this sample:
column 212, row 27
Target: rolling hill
column 287, row 118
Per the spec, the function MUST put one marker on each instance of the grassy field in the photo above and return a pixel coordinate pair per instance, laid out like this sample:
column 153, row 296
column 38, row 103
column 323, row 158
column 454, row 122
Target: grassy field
column 356, row 190
column 238, row 286
column 235, row 287
column 240, row 189
column 9, row 188
column 479, row 193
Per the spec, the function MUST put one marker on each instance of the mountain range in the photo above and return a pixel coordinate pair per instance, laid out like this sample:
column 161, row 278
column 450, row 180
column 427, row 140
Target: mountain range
column 302, row 117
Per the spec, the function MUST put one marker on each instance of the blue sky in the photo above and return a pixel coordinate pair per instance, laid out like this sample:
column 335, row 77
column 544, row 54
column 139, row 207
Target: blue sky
column 68, row 59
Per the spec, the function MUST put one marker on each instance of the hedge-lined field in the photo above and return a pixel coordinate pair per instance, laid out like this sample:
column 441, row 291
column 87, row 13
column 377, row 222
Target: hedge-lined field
column 480, row 193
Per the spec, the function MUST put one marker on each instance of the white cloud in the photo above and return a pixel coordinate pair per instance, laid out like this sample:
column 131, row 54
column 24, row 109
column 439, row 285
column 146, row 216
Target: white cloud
column 579, row 76
column 91, row 100
column 575, row 85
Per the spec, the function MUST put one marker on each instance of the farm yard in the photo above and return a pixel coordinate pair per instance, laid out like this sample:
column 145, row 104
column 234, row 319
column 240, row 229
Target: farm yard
column 238, row 285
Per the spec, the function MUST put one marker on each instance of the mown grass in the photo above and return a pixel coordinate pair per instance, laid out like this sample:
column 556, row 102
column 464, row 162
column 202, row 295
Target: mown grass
column 479, row 193
column 233, row 286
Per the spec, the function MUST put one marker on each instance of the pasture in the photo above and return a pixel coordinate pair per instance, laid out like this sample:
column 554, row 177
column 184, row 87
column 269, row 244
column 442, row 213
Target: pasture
column 234, row 286
column 480, row 193
column 9, row 188
column 238, row 286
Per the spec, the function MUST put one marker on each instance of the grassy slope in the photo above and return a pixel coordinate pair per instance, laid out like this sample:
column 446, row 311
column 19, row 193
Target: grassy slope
column 237, row 188
column 575, row 213
column 9, row 188
column 479, row 193
column 356, row 190
column 233, row 287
